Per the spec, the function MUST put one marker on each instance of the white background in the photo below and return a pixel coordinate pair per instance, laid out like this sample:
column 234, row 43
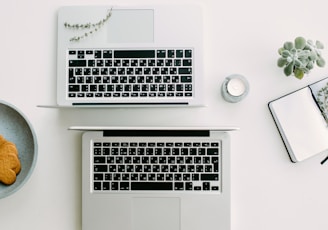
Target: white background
column 268, row 191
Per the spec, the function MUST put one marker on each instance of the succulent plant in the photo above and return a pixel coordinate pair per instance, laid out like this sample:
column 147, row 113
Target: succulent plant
column 322, row 100
column 300, row 56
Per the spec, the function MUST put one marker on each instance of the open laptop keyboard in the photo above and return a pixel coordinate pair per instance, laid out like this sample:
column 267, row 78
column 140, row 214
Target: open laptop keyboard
column 156, row 166
column 110, row 73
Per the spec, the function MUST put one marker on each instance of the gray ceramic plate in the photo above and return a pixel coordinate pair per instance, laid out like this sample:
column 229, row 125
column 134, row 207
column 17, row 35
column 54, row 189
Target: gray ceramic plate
column 16, row 128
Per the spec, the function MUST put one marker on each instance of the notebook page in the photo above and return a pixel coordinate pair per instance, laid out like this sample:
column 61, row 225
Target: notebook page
column 301, row 124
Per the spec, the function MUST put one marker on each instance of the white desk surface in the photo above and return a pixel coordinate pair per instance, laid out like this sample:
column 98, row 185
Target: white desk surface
column 268, row 191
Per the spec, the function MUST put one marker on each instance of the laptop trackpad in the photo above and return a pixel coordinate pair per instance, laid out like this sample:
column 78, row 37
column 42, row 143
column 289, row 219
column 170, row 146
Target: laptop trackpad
column 155, row 213
column 131, row 26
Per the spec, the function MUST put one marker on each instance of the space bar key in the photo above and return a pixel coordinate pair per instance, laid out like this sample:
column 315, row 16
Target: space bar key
column 151, row 186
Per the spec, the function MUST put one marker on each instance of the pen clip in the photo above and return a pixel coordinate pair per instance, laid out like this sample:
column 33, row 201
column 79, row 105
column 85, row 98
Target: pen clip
column 324, row 160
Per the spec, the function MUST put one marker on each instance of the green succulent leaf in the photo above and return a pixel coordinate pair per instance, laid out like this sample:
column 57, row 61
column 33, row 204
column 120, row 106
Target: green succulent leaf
column 293, row 51
column 313, row 56
column 321, row 62
column 288, row 70
column 298, row 73
column 319, row 45
column 303, row 54
column 288, row 45
column 310, row 42
column 309, row 65
column 282, row 62
column 300, row 43
column 298, row 63
column 280, row 50
column 286, row 54
column 305, row 62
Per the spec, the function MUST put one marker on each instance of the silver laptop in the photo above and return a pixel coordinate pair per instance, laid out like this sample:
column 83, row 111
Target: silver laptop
column 130, row 56
column 155, row 178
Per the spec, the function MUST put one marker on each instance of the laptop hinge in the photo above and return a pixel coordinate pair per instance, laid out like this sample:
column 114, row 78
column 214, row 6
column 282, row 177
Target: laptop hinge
column 130, row 103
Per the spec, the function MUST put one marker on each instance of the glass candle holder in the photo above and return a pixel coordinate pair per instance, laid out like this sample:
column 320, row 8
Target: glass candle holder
column 234, row 88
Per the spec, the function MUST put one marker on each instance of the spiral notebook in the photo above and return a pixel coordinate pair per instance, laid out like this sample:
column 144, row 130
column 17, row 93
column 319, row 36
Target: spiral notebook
column 301, row 118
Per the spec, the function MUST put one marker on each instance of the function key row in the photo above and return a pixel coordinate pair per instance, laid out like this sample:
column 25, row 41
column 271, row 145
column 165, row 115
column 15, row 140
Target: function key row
column 162, row 53
column 156, row 144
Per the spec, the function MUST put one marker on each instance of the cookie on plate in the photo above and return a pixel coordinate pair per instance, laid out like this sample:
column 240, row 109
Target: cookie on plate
column 10, row 164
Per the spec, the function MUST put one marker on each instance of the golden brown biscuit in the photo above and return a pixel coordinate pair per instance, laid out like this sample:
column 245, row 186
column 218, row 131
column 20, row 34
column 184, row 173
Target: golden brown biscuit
column 9, row 162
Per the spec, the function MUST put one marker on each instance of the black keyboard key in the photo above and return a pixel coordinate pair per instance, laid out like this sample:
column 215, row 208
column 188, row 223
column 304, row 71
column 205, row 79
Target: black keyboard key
column 188, row 87
column 215, row 160
column 185, row 70
column 100, row 168
column 179, row 53
column 187, row 62
column 134, row 54
column 134, row 176
column 151, row 177
column 108, row 176
column 99, row 160
column 170, row 53
column 107, row 54
column 186, row 176
column 161, row 53
column 186, row 79
column 209, row 176
column 178, row 186
column 188, row 185
column 188, row 53
column 71, row 72
column 99, row 63
column 208, row 168
column 151, row 186
column 215, row 188
column 199, row 168
column 97, row 186
column 91, row 63
column 160, row 177
column 98, row 54
column 105, row 185
column 77, row 63
column 214, row 144
column 73, row 88
column 143, row 177
column 216, row 168
column 72, row 80
column 114, row 185
column 116, row 176
column 124, row 186
column 164, row 168
column 98, row 176
column 212, row 151
column 206, row 186
column 197, row 188
column 195, row 176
